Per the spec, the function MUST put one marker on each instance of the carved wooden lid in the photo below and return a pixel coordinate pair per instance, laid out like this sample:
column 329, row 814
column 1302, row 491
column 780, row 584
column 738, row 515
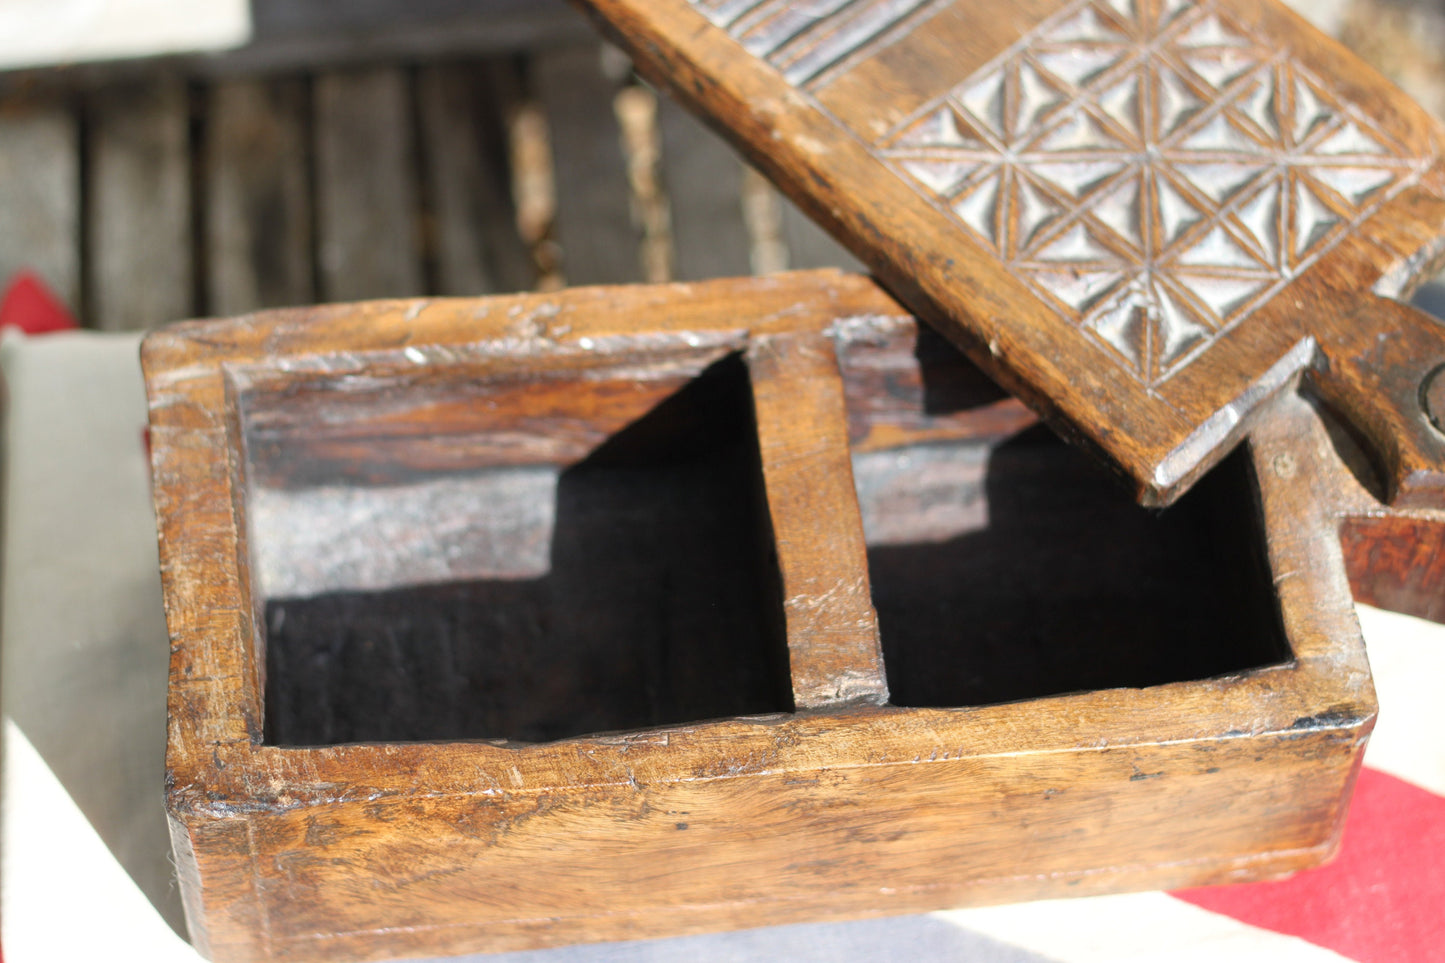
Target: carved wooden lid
column 1145, row 217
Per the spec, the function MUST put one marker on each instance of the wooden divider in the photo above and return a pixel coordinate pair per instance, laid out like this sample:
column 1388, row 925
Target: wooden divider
column 803, row 435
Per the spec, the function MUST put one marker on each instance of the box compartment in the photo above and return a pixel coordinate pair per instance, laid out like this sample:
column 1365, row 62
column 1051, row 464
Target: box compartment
column 640, row 775
column 520, row 556
column 1006, row 565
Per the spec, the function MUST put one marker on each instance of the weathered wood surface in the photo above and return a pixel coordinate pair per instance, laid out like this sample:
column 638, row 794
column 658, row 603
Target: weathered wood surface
column 464, row 141
column 368, row 230
column 1145, row 255
column 259, row 226
column 803, row 431
column 600, row 240
column 1006, row 566
column 703, row 180
column 140, row 255
column 1191, row 764
column 617, row 587
column 40, row 192
column 257, row 197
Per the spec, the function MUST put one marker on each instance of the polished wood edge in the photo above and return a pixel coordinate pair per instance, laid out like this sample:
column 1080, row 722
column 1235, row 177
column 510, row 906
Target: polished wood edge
column 522, row 321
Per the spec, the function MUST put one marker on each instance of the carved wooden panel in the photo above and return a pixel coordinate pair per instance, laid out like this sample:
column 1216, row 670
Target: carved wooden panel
column 1156, row 178
column 1145, row 217
column 808, row 42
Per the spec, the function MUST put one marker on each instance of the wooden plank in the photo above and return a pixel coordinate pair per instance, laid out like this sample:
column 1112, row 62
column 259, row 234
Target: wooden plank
column 258, row 205
column 600, row 242
column 703, row 180
column 140, row 243
column 366, row 187
column 833, row 648
column 474, row 222
column 40, row 193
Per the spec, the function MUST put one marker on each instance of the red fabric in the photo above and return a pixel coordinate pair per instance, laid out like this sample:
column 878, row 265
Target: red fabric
column 30, row 306
column 1383, row 898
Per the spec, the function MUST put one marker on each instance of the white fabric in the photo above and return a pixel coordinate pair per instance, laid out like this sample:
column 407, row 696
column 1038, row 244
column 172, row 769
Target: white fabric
column 1134, row 928
column 39, row 32
column 65, row 896
column 1407, row 658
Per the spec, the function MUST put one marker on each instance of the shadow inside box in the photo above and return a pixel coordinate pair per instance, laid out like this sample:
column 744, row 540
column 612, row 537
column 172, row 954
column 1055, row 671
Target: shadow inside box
column 658, row 602
column 1069, row 586
column 1016, row 568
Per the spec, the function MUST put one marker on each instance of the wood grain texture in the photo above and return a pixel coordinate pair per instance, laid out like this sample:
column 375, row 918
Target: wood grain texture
column 366, row 186
column 623, row 588
column 141, row 255
column 1145, row 254
column 1395, row 563
column 369, row 850
column 802, row 430
column 1381, row 381
column 601, row 243
column 40, row 192
column 474, row 224
column 258, row 196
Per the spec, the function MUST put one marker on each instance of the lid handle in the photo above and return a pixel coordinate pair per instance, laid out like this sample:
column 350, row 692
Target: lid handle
column 1386, row 375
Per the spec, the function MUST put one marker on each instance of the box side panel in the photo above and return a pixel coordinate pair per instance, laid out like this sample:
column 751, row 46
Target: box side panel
column 413, row 876
column 226, row 909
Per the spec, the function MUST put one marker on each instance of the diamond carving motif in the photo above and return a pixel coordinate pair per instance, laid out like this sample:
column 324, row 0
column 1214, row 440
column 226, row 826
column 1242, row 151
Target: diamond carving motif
column 1151, row 170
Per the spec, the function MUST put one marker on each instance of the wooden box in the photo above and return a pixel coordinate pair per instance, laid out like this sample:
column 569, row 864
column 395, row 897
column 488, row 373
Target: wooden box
column 530, row 620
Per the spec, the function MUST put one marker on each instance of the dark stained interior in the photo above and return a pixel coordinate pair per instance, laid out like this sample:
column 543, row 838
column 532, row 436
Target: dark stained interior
column 1059, row 582
column 662, row 605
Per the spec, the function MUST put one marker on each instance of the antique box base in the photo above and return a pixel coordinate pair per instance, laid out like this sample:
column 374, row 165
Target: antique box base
column 617, row 613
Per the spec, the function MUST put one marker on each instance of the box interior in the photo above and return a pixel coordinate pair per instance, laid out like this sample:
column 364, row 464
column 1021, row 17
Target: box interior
column 1006, row 565
column 508, row 590
column 531, row 554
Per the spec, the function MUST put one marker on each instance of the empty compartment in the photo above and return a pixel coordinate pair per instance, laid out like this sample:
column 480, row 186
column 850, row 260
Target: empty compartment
column 526, row 555
column 1006, row 565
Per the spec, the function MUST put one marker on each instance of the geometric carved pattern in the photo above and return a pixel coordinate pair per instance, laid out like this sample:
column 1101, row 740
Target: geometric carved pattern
column 806, row 41
column 1150, row 170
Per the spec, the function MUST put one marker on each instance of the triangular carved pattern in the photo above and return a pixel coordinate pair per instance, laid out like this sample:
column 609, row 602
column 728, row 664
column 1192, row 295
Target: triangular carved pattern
column 1151, row 170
